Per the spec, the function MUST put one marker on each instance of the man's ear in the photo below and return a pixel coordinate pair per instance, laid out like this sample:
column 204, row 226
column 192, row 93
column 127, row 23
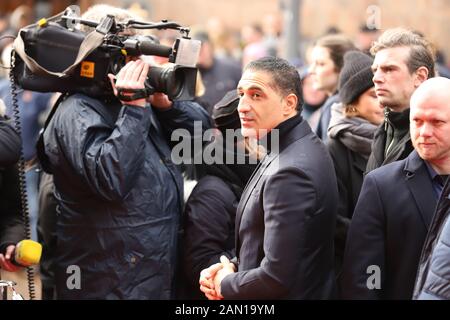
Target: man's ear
column 290, row 104
column 421, row 76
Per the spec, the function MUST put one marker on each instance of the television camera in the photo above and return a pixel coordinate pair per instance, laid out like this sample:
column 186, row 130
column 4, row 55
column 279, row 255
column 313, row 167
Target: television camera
column 53, row 55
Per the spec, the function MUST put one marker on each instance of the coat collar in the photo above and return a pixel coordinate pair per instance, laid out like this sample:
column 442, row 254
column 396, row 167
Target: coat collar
column 287, row 138
column 287, row 132
column 419, row 183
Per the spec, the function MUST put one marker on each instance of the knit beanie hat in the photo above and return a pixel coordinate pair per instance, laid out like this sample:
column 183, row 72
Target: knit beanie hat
column 355, row 77
column 225, row 114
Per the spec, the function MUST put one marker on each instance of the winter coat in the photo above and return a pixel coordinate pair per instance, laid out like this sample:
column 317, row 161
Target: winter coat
column 10, row 143
column 398, row 124
column 11, row 227
column 433, row 277
column 285, row 222
column 209, row 220
column 388, row 229
column 119, row 197
column 349, row 145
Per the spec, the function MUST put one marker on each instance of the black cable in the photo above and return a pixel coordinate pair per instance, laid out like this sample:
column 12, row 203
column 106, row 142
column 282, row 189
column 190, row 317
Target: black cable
column 22, row 179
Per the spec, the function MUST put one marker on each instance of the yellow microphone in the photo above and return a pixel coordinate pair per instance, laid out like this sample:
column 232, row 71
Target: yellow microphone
column 27, row 253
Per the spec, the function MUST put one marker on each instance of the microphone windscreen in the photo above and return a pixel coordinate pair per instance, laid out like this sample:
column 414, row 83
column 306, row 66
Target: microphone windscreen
column 28, row 253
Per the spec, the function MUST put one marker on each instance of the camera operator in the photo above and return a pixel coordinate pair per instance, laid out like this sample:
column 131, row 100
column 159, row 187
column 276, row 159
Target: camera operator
column 119, row 194
column 11, row 229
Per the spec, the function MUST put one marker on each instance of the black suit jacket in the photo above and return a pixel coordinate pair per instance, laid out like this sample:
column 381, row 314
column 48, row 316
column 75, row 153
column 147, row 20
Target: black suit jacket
column 388, row 229
column 285, row 223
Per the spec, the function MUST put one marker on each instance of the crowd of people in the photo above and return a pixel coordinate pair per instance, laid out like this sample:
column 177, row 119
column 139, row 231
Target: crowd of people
column 335, row 185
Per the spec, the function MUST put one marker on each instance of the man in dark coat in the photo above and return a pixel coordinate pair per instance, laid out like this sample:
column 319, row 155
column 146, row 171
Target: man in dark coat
column 11, row 228
column 403, row 60
column 433, row 276
column 396, row 206
column 215, row 198
column 119, row 193
column 286, row 216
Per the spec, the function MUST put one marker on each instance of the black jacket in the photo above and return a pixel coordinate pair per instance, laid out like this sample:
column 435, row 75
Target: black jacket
column 119, row 196
column 398, row 124
column 387, row 231
column 433, row 277
column 10, row 143
column 285, row 222
column 349, row 167
column 208, row 230
column 11, row 227
column 209, row 219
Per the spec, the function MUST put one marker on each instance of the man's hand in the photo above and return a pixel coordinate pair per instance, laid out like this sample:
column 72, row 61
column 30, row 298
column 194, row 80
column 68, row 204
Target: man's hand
column 5, row 260
column 227, row 268
column 160, row 101
column 131, row 76
column 207, row 281
column 211, row 278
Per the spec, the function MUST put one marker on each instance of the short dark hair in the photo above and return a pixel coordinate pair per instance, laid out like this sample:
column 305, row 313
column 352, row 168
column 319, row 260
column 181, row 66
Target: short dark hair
column 286, row 78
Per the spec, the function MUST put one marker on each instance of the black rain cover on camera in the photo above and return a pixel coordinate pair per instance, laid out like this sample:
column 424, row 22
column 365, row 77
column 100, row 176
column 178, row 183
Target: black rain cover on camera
column 55, row 48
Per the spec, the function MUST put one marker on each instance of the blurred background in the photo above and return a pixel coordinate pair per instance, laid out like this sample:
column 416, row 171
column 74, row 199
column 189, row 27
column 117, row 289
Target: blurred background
column 293, row 23
column 233, row 32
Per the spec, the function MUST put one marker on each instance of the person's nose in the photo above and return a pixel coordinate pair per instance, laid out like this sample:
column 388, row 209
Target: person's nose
column 244, row 105
column 426, row 130
column 312, row 68
column 378, row 77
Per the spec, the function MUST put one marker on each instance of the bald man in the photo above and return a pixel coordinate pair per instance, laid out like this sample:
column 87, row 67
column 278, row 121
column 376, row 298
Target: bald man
column 397, row 204
column 430, row 133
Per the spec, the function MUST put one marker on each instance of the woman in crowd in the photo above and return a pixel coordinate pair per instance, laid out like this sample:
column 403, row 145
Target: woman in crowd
column 327, row 60
column 352, row 126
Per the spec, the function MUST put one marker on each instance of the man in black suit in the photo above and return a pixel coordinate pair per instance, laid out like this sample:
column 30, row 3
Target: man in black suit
column 286, row 216
column 396, row 206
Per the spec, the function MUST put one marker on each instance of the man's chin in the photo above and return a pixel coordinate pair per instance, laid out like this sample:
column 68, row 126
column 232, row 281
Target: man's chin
column 426, row 155
column 392, row 105
column 384, row 102
column 249, row 132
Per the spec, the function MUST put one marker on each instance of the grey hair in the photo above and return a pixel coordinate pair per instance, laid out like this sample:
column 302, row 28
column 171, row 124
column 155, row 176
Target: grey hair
column 99, row 11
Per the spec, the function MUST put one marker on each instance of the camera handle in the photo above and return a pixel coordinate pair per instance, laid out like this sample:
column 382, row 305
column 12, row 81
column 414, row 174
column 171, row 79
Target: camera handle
column 134, row 94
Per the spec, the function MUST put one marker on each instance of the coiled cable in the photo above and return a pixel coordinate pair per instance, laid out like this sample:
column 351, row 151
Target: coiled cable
column 22, row 178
